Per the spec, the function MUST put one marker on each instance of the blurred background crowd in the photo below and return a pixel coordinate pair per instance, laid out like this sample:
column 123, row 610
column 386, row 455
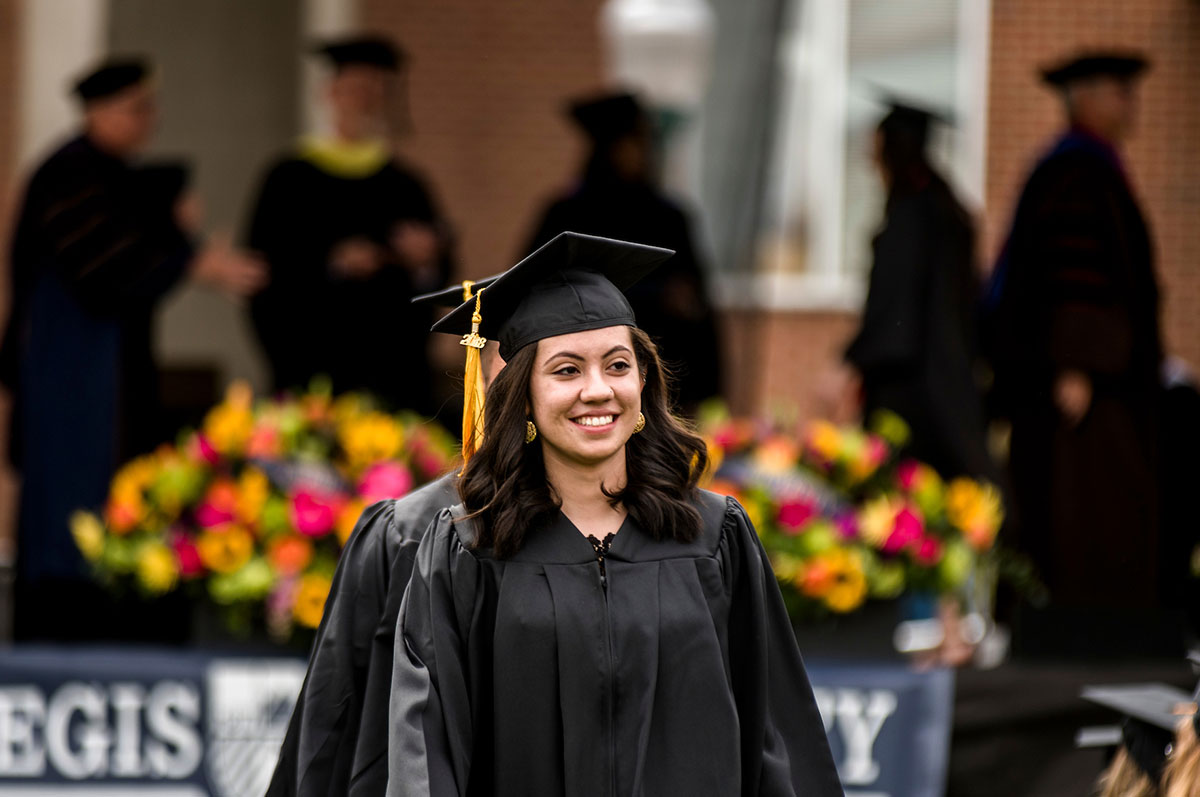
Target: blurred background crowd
column 978, row 214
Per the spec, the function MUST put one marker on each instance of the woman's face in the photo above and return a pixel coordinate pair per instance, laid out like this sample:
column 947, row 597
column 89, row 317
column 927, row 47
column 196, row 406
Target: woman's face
column 585, row 395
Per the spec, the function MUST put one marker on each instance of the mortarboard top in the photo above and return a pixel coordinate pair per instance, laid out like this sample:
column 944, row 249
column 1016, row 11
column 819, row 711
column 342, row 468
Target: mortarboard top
column 455, row 294
column 1095, row 64
column 110, row 78
column 369, row 50
column 571, row 284
column 1151, row 712
column 607, row 117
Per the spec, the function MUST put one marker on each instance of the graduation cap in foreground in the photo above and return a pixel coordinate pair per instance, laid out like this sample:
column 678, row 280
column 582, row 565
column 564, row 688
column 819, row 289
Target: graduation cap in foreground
column 369, row 50
column 1151, row 712
column 607, row 117
column 1095, row 64
column 111, row 77
column 572, row 283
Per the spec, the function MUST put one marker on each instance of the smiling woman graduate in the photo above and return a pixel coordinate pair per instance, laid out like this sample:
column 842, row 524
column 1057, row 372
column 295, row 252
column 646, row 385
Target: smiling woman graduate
column 589, row 622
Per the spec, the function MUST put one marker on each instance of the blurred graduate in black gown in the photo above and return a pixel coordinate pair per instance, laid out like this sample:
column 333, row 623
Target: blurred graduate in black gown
column 100, row 241
column 616, row 197
column 916, row 348
column 1073, row 333
column 350, row 235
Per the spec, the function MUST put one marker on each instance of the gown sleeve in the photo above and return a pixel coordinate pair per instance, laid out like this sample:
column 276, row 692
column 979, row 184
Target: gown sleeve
column 109, row 251
column 785, row 752
column 430, row 736
column 318, row 750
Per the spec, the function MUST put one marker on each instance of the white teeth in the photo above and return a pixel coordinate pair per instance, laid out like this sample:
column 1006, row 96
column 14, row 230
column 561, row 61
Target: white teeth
column 594, row 420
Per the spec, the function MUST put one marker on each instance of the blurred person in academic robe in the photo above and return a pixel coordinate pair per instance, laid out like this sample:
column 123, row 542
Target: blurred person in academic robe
column 100, row 241
column 1072, row 331
column 917, row 345
column 351, row 235
column 616, row 197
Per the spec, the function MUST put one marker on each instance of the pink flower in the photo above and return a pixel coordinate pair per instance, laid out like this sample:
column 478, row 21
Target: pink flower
column 928, row 551
column 314, row 511
column 794, row 514
column 386, row 479
column 907, row 530
column 199, row 449
column 877, row 450
column 907, row 474
column 190, row 565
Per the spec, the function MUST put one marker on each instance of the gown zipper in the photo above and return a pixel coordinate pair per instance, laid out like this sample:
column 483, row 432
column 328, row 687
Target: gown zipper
column 601, row 548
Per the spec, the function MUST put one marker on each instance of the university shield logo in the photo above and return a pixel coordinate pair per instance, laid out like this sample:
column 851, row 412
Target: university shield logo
column 249, row 705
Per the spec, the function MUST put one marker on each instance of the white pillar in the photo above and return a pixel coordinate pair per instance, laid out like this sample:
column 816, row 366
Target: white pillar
column 321, row 19
column 58, row 40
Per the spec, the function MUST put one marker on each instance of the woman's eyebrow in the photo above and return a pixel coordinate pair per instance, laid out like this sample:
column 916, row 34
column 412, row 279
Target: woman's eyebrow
column 573, row 356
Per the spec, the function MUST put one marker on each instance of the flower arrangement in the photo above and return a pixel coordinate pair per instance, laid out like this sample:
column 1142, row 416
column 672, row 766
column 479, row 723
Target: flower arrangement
column 844, row 517
column 253, row 508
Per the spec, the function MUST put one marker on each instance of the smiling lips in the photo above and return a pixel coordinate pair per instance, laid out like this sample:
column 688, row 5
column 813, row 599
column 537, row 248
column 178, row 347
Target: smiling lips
column 594, row 420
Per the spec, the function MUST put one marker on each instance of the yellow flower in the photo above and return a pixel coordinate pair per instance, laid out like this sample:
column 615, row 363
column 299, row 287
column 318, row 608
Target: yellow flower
column 787, row 567
column 825, row 440
column 370, row 438
column 348, row 518
column 88, row 532
column 848, row 589
column 976, row 509
column 134, row 478
column 157, row 568
column 310, row 600
column 253, row 489
column 224, row 549
column 875, row 520
column 228, row 426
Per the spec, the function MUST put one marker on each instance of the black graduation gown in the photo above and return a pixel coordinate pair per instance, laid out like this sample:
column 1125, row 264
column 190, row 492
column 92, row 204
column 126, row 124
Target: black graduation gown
column 671, row 304
column 917, row 344
column 311, row 322
column 526, row 676
column 336, row 742
column 1075, row 289
column 95, row 249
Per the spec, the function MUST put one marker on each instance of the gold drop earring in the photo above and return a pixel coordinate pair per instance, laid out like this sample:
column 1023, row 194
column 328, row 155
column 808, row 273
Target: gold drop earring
column 641, row 423
column 530, row 432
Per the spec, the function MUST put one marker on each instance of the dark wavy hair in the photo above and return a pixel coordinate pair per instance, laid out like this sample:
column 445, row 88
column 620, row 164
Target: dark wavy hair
column 505, row 486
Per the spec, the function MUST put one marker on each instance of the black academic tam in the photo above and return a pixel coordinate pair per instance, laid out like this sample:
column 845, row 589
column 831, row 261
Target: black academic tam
column 527, row 676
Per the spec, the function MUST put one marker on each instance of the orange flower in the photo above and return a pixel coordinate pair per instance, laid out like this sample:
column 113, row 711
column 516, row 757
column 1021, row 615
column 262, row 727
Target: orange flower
column 289, row 555
column 228, row 426
column 253, row 489
column 348, row 518
column 310, row 599
column 224, row 549
column 123, row 517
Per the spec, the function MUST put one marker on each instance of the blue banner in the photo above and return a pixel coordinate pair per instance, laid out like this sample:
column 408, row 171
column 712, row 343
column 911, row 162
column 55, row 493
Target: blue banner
column 104, row 722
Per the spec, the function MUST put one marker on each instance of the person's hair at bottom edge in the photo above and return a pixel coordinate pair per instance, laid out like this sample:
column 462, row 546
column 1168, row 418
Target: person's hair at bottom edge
column 505, row 486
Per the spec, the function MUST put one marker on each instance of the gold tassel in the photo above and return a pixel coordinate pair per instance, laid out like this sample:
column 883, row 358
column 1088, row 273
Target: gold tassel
column 472, row 423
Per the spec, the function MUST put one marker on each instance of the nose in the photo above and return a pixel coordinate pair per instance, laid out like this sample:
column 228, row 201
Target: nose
column 595, row 387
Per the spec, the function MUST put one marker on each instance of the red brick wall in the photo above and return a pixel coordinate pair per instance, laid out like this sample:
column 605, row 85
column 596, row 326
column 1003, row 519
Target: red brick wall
column 1164, row 156
column 486, row 88
column 9, row 129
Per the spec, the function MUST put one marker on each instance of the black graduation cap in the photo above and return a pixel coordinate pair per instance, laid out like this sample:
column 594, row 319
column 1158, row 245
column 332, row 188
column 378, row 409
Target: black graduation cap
column 572, row 283
column 455, row 294
column 1093, row 64
column 370, row 50
column 909, row 117
column 111, row 77
column 1151, row 712
column 607, row 117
